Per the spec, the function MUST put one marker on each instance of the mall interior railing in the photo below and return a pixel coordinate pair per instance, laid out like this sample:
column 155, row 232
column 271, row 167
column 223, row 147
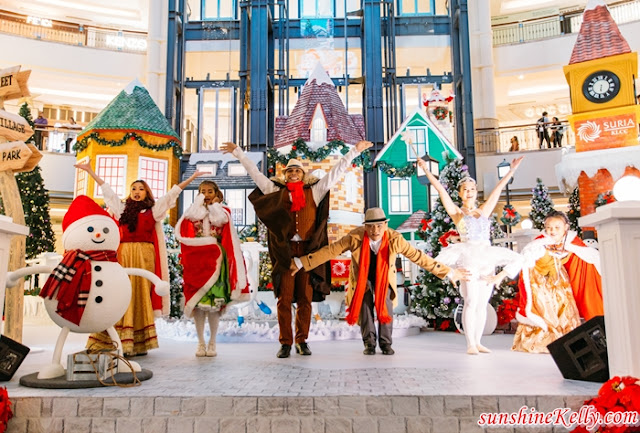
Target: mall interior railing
column 499, row 140
column 557, row 25
column 74, row 34
column 59, row 139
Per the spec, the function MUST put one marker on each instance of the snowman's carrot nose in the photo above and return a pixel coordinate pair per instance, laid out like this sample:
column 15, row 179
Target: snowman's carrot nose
column 97, row 235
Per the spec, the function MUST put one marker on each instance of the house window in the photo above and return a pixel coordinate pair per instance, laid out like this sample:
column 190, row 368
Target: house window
column 154, row 172
column 419, row 137
column 318, row 126
column 399, row 196
column 316, row 8
column 416, row 7
column 351, row 186
column 218, row 9
column 211, row 169
column 81, row 179
column 236, row 200
column 236, row 170
column 113, row 169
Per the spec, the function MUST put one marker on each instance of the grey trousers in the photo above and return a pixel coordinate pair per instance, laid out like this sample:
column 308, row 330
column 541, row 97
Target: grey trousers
column 368, row 325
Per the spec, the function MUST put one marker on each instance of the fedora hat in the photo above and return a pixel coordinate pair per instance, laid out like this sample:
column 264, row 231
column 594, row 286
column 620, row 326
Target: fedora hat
column 375, row 215
column 293, row 163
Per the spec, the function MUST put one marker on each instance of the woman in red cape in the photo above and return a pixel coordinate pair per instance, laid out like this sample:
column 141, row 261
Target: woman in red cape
column 214, row 273
column 560, row 282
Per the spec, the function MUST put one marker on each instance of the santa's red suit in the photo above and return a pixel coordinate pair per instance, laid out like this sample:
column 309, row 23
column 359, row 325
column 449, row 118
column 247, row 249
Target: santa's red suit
column 203, row 232
column 583, row 268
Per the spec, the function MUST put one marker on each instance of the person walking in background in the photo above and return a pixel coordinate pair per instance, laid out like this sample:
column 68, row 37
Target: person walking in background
column 515, row 145
column 543, row 130
column 557, row 131
column 372, row 275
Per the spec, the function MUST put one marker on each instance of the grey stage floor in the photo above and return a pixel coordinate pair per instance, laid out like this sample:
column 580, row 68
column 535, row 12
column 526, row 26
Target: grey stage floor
column 431, row 363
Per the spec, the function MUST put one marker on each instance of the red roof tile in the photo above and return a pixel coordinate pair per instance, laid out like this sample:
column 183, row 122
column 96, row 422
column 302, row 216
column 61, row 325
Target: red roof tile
column 340, row 124
column 599, row 36
column 413, row 223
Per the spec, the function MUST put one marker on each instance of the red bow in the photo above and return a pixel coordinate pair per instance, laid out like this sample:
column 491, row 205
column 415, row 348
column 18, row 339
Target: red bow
column 426, row 224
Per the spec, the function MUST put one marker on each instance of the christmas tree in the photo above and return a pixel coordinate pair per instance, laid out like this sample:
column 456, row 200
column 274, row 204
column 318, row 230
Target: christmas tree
column 35, row 202
column 574, row 210
column 541, row 204
column 175, row 270
column 433, row 298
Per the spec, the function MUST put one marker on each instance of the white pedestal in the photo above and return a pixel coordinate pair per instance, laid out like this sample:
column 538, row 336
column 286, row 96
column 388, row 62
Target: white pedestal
column 251, row 252
column 8, row 229
column 618, row 226
column 523, row 237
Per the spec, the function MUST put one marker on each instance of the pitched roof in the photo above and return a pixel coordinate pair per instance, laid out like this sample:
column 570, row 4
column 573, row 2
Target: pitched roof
column 319, row 89
column 599, row 35
column 132, row 109
column 413, row 223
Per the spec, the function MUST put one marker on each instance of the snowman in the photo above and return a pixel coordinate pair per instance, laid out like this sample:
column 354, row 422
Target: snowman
column 88, row 291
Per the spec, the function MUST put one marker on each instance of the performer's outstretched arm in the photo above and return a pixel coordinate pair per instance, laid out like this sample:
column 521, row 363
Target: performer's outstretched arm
column 491, row 202
column 262, row 181
column 452, row 209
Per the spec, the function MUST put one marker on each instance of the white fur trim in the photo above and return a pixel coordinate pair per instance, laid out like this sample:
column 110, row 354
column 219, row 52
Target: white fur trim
column 588, row 254
column 197, row 211
column 193, row 242
column 217, row 215
column 236, row 292
column 191, row 304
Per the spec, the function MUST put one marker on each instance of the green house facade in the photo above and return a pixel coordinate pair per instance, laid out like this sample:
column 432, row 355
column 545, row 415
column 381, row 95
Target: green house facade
column 400, row 194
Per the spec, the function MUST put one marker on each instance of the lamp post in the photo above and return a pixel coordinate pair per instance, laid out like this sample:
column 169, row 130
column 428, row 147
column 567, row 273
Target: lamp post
column 503, row 169
column 434, row 168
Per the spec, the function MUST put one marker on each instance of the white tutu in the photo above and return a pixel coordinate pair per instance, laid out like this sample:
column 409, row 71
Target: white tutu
column 480, row 258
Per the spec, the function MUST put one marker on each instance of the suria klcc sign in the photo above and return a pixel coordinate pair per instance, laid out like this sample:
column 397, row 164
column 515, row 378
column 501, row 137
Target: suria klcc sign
column 617, row 129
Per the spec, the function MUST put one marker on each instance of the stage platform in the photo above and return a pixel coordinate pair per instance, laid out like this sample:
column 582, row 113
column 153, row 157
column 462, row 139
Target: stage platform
column 429, row 385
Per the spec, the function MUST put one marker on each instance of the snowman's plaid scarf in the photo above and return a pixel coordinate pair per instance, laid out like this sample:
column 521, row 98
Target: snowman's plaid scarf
column 70, row 282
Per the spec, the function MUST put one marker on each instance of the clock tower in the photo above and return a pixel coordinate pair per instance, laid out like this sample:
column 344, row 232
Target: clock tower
column 601, row 76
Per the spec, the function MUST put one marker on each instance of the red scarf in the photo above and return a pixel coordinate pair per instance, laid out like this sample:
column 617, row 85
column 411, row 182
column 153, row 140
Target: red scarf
column 382, row 281
column 70, row 282
column 298, row 200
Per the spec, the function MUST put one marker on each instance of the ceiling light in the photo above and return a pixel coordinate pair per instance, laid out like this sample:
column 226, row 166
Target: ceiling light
column 517, row 4
column 520, row 77
column 538, row 89
column 90, row 8
column 71, row 94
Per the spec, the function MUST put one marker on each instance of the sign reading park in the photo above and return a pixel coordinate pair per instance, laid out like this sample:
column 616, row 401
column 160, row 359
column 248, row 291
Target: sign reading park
column 18, row 156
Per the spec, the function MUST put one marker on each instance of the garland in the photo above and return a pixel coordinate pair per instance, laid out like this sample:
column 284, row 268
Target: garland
column 440, row 112
column 510, row 216
column 84, row 143
column 299, row 149
column 407, row 171
column 604, row 198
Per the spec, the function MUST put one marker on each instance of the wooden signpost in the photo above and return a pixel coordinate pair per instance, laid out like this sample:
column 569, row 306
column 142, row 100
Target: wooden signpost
column 15, row 156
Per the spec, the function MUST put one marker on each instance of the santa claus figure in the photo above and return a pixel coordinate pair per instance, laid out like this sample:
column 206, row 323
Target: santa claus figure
column 88, row 291
column 214, row 272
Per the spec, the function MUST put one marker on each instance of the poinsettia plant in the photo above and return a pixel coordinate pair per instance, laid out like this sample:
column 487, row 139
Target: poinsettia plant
column 618, row 394
column 604, row 198
column 5, row 409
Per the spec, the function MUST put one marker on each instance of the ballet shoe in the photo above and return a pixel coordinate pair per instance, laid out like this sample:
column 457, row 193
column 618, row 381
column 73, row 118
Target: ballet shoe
column 483, row 349
column 211, row 349
column 200, row 351
column 472, row 350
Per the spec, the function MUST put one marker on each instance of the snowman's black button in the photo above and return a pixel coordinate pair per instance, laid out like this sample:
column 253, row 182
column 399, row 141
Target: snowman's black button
column 99, row 283
column 98, row 299
column 98, row 268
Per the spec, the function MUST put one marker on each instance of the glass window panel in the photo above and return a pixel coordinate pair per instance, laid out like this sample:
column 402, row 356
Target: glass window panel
column 217, row 125
column 227, row 9
column 425, row 6
column 116, row 177
column 408, row 6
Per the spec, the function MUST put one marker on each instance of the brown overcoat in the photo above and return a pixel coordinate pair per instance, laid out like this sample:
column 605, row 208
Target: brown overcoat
column 353, row 242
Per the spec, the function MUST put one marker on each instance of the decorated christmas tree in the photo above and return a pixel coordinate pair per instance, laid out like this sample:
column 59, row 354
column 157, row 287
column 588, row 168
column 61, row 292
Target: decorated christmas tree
column 433, row 298
column 574, row 210
column 35, row 202
column 175, row 271
column 541, row 204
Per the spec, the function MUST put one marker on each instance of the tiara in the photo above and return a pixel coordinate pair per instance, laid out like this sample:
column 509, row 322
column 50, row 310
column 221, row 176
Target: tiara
column 466, row 179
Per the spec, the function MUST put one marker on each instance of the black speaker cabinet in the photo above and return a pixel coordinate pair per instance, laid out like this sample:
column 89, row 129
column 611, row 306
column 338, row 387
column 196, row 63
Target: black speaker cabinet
column 582, row 353
column 12, row 354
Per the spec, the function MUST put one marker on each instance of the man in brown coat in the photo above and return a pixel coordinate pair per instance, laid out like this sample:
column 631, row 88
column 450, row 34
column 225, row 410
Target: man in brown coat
column 372, row 276
column 295, row 210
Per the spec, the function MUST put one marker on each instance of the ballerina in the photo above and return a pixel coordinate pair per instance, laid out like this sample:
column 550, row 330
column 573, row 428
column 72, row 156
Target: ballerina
column 475, row 252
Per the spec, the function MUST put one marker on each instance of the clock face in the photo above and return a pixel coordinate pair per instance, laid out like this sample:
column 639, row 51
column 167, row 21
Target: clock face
column 601, row 86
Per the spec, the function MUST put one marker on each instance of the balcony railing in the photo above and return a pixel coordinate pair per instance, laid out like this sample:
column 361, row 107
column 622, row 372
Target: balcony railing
column 75, row 34
column 557, row 25
column 499, row 140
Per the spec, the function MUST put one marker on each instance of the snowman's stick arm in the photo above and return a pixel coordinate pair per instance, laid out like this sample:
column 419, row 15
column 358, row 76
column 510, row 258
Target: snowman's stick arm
column 15, row 276
column 162, row 287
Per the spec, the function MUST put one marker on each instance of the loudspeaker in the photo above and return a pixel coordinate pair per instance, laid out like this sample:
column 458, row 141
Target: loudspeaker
column 12, row 354
column 582, row 353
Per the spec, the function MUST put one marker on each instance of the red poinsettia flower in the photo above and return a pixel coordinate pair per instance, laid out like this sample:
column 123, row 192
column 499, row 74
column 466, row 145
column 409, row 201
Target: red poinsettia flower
column 270, row 286
column 445, row 324
column 5, row 409
column 630, row 398
column 294, row 147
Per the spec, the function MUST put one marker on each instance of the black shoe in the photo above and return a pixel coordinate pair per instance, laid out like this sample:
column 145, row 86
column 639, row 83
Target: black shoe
column 303, row 349
column 387, row 350
column 369, row 349
column 284, row 352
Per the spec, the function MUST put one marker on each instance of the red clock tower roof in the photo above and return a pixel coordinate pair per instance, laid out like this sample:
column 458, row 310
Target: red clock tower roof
column 599, row 35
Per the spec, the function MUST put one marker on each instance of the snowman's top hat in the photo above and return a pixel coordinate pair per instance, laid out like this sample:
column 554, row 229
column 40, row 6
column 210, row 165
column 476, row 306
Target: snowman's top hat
column 82, row 206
